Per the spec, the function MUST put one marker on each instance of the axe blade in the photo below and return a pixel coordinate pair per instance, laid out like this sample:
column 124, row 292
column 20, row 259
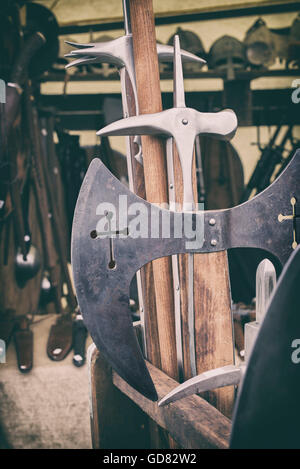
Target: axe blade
column 103, row 292
column 119, row 52
column 105, row 310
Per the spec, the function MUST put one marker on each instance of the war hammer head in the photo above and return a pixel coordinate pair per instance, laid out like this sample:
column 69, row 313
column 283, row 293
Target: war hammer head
column 118, row 50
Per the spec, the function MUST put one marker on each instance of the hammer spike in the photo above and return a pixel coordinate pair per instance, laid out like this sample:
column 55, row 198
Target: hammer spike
column 144, row 124
column 166, row 53
column 78, row 45
column 219, row 377
column 83, row 60
column 178, row 95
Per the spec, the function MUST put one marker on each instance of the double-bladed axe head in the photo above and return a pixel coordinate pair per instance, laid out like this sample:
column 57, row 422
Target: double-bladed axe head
column 103, row 266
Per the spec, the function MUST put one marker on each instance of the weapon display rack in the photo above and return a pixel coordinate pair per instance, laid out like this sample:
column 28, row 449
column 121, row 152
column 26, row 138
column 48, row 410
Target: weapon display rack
column 119, row 414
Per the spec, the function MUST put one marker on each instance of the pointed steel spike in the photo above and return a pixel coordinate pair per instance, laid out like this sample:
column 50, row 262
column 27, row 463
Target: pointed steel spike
column 81, row 61
column 106, row 310
column 225, row 376
column 178, row 94
column 117, row 51
column 71, row 54
column 144, row 124
column 78, row 45
column 166, row 54
column 101, row 50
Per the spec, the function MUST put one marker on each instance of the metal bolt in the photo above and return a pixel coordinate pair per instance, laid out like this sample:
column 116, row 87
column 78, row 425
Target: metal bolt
column 171, row 186
column 142, row 310
column 212, row 222
column 177, row 287
column 213, row 242
column 185, row 121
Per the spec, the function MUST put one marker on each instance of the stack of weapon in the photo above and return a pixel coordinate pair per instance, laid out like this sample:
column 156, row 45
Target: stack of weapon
column 46, row 263
column 186, row 330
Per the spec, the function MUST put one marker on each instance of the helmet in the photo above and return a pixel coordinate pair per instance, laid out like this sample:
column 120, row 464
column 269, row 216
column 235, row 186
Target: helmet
column 293, row 55
column 260, row 44
column 227, row 54
column 190, row 42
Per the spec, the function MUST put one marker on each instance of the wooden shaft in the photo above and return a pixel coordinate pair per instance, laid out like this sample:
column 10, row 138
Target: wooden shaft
column 212, row 309
column 149, row 96
column 150, row 318
column 151, row 330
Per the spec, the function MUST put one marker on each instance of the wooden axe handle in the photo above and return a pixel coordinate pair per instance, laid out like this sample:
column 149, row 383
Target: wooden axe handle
column 149, row 97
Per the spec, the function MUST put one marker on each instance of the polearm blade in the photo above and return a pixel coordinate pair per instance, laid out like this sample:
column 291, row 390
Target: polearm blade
column 178, row 93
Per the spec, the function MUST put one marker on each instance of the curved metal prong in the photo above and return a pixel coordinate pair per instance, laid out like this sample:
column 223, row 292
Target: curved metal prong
column 166, row 53
column 178, row 95
column 144, row 124
column 78, row 45
column 225, row 376
column 81, row 61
